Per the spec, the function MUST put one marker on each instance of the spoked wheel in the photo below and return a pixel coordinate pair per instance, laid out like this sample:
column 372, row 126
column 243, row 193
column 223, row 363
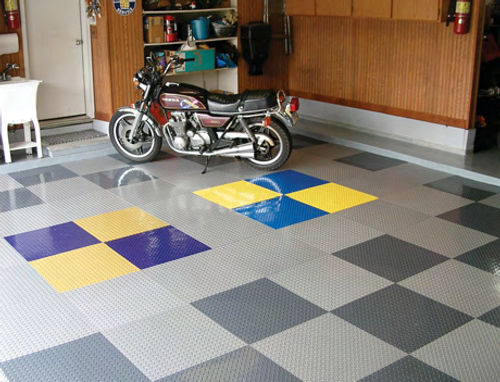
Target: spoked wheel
column 143, row 148
column 273, row 152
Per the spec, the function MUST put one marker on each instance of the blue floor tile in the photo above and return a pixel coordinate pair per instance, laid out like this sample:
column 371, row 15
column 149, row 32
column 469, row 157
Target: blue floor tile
column 155, row 247
column 280, row 212
column 286, row 182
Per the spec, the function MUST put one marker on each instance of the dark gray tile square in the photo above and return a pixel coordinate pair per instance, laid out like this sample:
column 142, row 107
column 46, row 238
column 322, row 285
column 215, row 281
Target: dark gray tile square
column 119, row 177
column 492, row 317
column 408, row 369
column 476, row 216
column 486, row 257
column 18, row 198
column 301, row 141
column 91, row 358
column 466, row 188
column 370, row 161
column 42, row 175
column 257, row 310
column 161, row 155
column 402, row 318
column 391, row 258
column 245, row 364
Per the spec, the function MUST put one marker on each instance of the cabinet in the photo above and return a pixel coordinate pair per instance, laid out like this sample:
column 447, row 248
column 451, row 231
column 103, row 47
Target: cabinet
column 372, row 8
column 415, row 10
column 301, row 7
column 333, row 7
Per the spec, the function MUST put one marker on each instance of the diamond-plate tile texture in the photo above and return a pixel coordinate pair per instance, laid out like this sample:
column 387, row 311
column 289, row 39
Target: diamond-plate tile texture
column 301, row 141
column 410, row 174
column 9, row 256
column 18, row 198
column 167, row 343
column 371, row 161
column 391, row 258
column 257, row 310
column 486, row 257
column 493, row 201
column 470, row 353
column 492, row 317
column 329, row 282
column 93, row 165
column 459, row 286
column 476, row 216
column 30, row 218
column 444, row 237
column 91, row 358
column 146, row 192
column 42, row 175
column 119, row 177
column 328, row 349
column 466, row 188
column 402, row 318
column 8, row 183
column 285, row 182
column 245, row 364
column 330, row 151
column 63, row 189
column 408, row 369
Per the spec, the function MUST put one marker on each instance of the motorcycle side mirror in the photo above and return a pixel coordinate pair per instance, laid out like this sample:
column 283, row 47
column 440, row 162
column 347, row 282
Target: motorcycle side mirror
column 150, row 60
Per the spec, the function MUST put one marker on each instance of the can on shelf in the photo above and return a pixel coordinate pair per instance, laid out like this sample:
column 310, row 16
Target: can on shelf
column 170, row 29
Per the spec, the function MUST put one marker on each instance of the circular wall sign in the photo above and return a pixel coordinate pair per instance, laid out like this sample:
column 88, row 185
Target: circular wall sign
column 124, row 7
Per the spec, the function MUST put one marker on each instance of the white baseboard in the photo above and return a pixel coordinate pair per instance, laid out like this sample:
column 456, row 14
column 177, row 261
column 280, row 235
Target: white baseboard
column 433, row 135
column 101, row 126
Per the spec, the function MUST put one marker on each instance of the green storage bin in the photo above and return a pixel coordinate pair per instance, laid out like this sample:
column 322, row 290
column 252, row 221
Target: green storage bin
column 205, row 60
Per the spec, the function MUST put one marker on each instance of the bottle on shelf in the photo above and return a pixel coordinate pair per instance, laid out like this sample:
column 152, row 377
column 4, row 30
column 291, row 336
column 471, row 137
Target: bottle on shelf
column 170, row 29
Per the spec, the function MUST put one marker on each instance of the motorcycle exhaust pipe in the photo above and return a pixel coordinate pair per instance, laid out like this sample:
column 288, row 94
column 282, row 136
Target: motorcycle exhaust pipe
column 243, row 151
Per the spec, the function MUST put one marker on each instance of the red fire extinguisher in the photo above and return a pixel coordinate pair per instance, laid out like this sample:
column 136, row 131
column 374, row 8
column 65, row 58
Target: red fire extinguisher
column 12, row 13
column 462, row 16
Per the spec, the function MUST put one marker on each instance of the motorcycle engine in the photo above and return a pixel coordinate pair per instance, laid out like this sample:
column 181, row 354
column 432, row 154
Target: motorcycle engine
column 187, row 137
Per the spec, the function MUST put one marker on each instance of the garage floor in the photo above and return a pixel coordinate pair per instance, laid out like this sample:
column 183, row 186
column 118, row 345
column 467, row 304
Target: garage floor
column 342, row 266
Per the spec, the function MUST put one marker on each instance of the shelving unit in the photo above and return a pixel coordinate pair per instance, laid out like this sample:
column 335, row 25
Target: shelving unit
column 188, row 11
column 180, row 42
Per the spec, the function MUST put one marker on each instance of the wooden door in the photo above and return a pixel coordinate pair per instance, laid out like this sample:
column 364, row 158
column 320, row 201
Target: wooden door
column 415, row 10
column 300, row 7
column 372, row 8
column 333, row 7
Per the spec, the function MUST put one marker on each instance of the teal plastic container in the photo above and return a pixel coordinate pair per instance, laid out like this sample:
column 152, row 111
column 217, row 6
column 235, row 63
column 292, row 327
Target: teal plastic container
column 201, row 28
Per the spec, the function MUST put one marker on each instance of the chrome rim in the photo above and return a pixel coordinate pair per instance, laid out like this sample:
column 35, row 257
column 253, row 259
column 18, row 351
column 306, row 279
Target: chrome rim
column 265, row 154
column 145, row 142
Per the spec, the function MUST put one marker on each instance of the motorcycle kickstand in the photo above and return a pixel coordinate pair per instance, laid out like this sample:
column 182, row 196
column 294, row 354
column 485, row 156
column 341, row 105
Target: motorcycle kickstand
column 207, row 160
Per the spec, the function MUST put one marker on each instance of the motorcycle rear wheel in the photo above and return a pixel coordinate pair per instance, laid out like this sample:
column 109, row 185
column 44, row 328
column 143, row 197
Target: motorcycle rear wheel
column 270, row 158
column 147, row 145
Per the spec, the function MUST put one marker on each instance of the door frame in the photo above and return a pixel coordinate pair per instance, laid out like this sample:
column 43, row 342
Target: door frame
column 88, row 79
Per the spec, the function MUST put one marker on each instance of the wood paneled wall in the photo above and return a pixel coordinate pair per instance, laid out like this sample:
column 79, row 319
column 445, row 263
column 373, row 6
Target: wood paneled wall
column 415, row 69
column 17, row 58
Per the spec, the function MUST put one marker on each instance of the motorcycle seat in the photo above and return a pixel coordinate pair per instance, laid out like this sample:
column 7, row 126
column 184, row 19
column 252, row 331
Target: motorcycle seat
column 249, row 100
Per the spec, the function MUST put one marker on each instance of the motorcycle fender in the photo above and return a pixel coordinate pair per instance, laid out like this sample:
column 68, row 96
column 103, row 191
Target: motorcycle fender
column 285, row 119
column 147, row 117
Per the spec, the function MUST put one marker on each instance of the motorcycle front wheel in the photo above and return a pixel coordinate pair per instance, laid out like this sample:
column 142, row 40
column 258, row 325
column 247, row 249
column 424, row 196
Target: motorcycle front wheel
column 270, row 157
column 146, row 145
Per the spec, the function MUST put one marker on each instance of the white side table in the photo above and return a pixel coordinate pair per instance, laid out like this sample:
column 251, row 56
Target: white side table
column 18, row 106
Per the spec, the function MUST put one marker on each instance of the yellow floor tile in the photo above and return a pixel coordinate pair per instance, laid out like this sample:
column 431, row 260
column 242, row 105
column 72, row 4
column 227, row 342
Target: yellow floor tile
column 82, row 267
column 118, row 224
column 332, row 197
column 237, row 194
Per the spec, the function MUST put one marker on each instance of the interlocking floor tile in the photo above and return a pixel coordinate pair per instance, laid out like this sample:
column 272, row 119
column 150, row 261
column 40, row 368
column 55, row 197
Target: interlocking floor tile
column 285, row 182
column 119, row 177
column 194, row 181
column 486, row 257
column 470, row 353
column 373, row 184
column 156, row 247
column 29, row 218
column 45, row 242
column 329, row 150
column 371, row 161
column 143, row 193
column 93, row 165
column 327, row 169
column 169, row 342
column 476, row 216
column 9, row 257
column 92, row 358
column 328, row 348
column 458, row 285
column 257, row 310
column 402, row 318
column 408, row 369
column 492, row 201
column 329, row 282
column 302, row 141
column 280, row 212
column 466, row 188
column 122, row 300
column 42, row 175
column 411, row 174
column 245, row 364
column 18, row 198
column 63, row 189
column 492, row 317
column 391, row 258
column 444, row 237
column 8, row 183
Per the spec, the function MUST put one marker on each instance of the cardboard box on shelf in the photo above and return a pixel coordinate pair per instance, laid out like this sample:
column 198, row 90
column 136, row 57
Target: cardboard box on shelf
column 154, row 29
column 204, row 60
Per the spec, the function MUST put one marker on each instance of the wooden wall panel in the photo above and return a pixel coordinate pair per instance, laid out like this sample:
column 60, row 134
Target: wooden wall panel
column 17, row 58
column 333, row 7
column 372, row 8
column 300, row 7
column 416, row 10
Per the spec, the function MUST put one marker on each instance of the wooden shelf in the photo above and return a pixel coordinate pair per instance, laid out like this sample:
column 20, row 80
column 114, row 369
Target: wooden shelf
column 187, row 11
column 215, row 39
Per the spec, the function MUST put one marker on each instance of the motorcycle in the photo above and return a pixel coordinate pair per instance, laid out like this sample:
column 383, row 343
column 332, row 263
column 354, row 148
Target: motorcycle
column 253, row 126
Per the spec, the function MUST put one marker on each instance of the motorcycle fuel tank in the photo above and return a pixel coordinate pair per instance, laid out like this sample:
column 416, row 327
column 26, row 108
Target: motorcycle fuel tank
column 183, row 97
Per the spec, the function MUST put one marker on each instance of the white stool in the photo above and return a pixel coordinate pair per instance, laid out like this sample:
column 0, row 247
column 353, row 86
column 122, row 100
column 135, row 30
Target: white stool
column 18, row 106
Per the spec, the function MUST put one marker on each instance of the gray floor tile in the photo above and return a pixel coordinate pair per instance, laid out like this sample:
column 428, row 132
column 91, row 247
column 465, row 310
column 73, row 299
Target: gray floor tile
column 301, row 141
column 372, row 184
column 444, row 237
column 384, row 217
column 91, row 358
column 331, row 233
column 119, row 177
column 29, row 219
column 329, row 170
column 330, row 151
column 63, row 189
column 328, row 349
column 170, row 167
column 146, row 192
column 476, row 216
column 402, row 318
column 492, row 201
column 470, row 353
column 93, row 165
column 167, row 343
column 329, row 282
column 411, row 174
column 9, row 257
column 257, row 310
column 465, row 187
column 128, row 298
column 492, row 317
column 371, row 161
column 486, row 257
column 8, row 183
column 459, row 286
column 190, row 182
column 408, row 369
column 391, row 258
column 18, row 198
column 42, row 175
column 245, row 364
